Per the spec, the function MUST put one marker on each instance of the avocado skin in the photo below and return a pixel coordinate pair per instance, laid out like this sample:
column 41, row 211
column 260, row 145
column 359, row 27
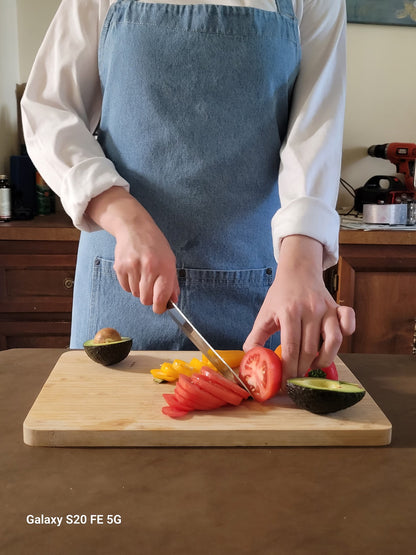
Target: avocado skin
column 108, row 353
column 322, row 401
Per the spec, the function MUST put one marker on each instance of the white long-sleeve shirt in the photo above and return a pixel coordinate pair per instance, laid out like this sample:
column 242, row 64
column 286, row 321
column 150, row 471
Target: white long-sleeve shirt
column 62, row 103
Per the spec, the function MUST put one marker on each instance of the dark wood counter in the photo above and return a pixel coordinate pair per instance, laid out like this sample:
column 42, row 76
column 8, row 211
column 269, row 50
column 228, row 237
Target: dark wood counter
column 250, row 501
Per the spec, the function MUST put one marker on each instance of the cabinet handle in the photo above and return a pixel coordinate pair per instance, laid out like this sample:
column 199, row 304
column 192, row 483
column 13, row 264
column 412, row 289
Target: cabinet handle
column 68, row 283
column 414, row 340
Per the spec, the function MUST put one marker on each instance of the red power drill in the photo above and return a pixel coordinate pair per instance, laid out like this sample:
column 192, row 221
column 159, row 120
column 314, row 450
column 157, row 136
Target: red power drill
column 402, row 155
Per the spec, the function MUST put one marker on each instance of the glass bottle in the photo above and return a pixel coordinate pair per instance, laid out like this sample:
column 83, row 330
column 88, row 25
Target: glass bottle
column 5, row 199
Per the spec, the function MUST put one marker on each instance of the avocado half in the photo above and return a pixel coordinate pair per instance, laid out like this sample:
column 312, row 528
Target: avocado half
column 322, row 396
column 108, row 347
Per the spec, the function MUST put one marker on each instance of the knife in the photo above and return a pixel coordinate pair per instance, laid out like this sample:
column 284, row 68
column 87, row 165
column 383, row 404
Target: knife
column 202, row 344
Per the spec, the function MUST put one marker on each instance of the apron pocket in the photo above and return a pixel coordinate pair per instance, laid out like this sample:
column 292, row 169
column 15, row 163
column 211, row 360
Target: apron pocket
column 223, row 304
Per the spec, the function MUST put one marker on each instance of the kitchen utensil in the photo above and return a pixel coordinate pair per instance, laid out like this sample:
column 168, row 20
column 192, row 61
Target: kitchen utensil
column 202, row 344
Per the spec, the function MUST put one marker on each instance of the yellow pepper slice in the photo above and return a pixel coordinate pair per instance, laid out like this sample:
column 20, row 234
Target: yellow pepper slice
column 159, row 375
column 231, row 357
column 196, row 364
column 278, row 351
column 182, row 367
column 169, row 371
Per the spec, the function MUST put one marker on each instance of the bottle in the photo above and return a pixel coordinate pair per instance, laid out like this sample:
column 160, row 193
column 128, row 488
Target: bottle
column 45, row 197
column 5, row 199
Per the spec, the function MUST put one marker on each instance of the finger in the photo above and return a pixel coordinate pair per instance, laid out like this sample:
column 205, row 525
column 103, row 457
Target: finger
column 346, row 317
column 263, row 328
column 163, row 291
column 332, row 339
column 123, row 280
column 290, row 335
column 146, row 286
column 311, row 333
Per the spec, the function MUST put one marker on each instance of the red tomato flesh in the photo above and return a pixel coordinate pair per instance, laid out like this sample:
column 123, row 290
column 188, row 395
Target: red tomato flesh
column 261, row 371
column 174, row 412
column 185, row 399
column 203, row 397
column 218, row 391
column 217, row 378
column 174, row 402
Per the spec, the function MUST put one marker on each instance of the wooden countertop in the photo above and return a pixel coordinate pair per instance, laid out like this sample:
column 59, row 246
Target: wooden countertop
column 377, row 237
column 58, row 227
column 210, row 500
column 54, row 227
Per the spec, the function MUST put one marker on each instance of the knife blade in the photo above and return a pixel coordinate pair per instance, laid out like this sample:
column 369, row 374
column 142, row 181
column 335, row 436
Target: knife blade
column 202, row 344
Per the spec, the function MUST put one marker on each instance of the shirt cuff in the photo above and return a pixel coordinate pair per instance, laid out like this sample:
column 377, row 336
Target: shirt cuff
column 310, row 217
column 85, row 181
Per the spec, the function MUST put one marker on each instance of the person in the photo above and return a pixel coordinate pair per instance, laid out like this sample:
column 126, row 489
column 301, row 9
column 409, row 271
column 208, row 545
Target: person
column 196, row 145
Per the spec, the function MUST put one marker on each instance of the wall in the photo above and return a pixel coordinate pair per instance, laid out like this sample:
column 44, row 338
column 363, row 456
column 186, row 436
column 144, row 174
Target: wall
column 23, row 24
column 381, row 106
column 9, row 76
column 33, row 18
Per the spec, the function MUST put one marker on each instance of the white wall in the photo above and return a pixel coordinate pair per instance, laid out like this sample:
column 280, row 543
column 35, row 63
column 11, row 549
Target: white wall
column 9, row 76
column 381, row 98
column 33, row 18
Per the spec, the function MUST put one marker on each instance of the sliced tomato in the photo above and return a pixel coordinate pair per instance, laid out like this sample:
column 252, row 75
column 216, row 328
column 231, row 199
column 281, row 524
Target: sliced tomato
column 329, row 372
column 173, row 401
column 185, row 398
column 218, row 391
column 261, row 371
column 173, row 412
column 201, row 397
column 217, row 378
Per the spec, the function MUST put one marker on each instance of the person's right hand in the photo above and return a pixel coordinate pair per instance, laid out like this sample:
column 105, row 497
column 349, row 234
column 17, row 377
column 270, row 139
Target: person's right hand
column 144, row 262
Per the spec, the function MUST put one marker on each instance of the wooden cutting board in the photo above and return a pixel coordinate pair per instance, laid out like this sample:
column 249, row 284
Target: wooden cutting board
column 84, row 404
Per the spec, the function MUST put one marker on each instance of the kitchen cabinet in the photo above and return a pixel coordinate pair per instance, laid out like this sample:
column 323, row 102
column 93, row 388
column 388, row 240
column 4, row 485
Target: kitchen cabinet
column 376, row 275
column 37, row 270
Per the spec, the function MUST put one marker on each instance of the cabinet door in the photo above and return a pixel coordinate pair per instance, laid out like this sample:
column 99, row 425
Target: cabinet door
column 379, row 281
column 36, row 286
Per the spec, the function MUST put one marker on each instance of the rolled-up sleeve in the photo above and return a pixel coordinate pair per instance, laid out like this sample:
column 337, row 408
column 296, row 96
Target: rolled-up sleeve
column 311, row 155
column 61, row 108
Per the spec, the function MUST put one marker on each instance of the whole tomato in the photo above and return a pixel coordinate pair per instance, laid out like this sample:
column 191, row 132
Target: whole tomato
column 330, row 372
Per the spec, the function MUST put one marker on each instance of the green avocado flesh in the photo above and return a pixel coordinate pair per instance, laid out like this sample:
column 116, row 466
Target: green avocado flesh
column 108, row 353
column 322, row 396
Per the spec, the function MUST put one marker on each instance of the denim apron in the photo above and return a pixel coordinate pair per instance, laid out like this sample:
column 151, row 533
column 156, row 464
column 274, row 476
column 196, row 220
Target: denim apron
column 195, row 109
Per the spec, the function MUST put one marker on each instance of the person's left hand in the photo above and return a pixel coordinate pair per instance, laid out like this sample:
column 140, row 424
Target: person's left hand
column 299, row 305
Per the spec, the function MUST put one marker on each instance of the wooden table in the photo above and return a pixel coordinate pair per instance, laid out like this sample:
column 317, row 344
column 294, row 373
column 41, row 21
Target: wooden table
column 286, row 501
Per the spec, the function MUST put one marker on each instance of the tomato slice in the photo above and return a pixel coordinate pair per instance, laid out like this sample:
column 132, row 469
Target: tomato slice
column 174, row 402
column 217, row 378
column 261, row 371
column 218, row 391
column 207, row 400
column 173, row 412
column 186, row 399
column 329, row 372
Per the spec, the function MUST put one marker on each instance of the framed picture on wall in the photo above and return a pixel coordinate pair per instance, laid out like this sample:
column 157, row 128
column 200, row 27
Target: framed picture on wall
column 382, row 12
